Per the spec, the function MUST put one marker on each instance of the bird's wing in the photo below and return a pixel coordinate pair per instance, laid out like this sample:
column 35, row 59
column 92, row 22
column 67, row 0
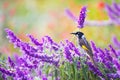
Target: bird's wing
column 85, row 45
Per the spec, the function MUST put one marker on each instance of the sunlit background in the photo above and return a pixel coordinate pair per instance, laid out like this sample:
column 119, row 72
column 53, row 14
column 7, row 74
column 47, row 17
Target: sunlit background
column 48, row 17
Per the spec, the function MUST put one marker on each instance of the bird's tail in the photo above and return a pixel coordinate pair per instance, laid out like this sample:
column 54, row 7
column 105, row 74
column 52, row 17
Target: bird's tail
column 93, row 61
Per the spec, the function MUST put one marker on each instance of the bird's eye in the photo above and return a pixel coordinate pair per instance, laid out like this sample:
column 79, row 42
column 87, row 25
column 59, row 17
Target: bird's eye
column 77, row 35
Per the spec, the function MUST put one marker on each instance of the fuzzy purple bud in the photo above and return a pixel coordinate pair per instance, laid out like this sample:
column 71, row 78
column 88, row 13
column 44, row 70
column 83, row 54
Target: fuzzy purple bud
column 113, row 50
column 67, row 54
column 115, row 41
column 70, row 14
column 114, row 13
column 116, row 64
column 4, row 76
column 44, row 77
column 12, row 37
column 7, row 72
column 94, row 47
column 94, row 69
column 72, row 47
column 116, row 6
column 82, row 17
column 11, row 62
column 113, row 76
column 35, row 41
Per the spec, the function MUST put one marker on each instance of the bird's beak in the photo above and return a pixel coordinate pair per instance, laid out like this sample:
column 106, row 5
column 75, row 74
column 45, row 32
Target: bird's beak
column 73, row 33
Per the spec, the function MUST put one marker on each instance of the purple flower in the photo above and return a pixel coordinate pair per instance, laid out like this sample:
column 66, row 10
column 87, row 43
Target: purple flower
column 116, row 64
column 70, row 14
column 35, row 41
column 72, row 47
column 11, row 62
column 78, row 65
column 94, row 69
column 109, row 57
column 22, row 74
column 47, row 39
column 7, row 72
column 94, row 47
column 4, row 76
column 82, row 17
column 115, row 42
column 113, row 76
column 55, row 46
column 114, row 12
column 68, row 54
column 44, row 77
column 35, row 62
column 116, row 6
column 113, row 50
column 50, row 44
column 30, row 50
column 12, row 37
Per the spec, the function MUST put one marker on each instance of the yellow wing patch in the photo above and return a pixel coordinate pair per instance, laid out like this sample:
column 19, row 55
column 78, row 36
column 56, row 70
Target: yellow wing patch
column 84, row 47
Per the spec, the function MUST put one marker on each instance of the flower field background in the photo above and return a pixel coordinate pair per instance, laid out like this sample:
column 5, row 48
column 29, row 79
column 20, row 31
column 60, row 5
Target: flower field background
column 36, row 43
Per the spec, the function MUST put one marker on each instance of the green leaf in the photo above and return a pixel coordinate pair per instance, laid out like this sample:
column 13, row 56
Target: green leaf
column 84, row 71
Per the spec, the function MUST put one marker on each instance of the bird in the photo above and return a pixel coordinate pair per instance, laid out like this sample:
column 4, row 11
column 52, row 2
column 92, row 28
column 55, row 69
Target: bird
column 83, row 43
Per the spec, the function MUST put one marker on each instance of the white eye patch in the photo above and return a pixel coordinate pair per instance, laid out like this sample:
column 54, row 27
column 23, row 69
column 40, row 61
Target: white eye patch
column 83, row 36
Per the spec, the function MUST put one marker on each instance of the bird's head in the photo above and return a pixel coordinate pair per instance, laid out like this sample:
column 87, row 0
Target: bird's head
column 78, row 34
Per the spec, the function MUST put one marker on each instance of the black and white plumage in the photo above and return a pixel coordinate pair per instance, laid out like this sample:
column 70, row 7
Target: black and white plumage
column 85, row 45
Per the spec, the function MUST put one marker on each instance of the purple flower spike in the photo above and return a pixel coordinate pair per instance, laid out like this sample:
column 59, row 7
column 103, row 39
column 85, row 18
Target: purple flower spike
column 70, row 14
column 68, row 54
column 4, row 71
column 11, row 62
column 117, row 7
column 4, row 76
column 94, row 47
column 82, row 17
column 72, row 47
column 35, row 62
column 116, row 42
column 35, row 41
column 113, row 12
column 114, row 76
column 44, row 77
column 113, row 50
column 12, row 37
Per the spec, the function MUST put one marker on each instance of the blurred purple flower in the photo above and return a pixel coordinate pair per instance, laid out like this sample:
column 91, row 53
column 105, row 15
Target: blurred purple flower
column 81, row 19
column 7, row 72
column 72, row 47
column 115, row 42
column 113, row 50
column 94, row 47
column 44, row 77
column 68, row 54
column 4, row 76
column 35, row 60
column 11, row 62
column 70, row 14
column 35, row 41
column 113, row 12
column 94, row 69
column 113, row 76
column 30, row 50
column 12, row 38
